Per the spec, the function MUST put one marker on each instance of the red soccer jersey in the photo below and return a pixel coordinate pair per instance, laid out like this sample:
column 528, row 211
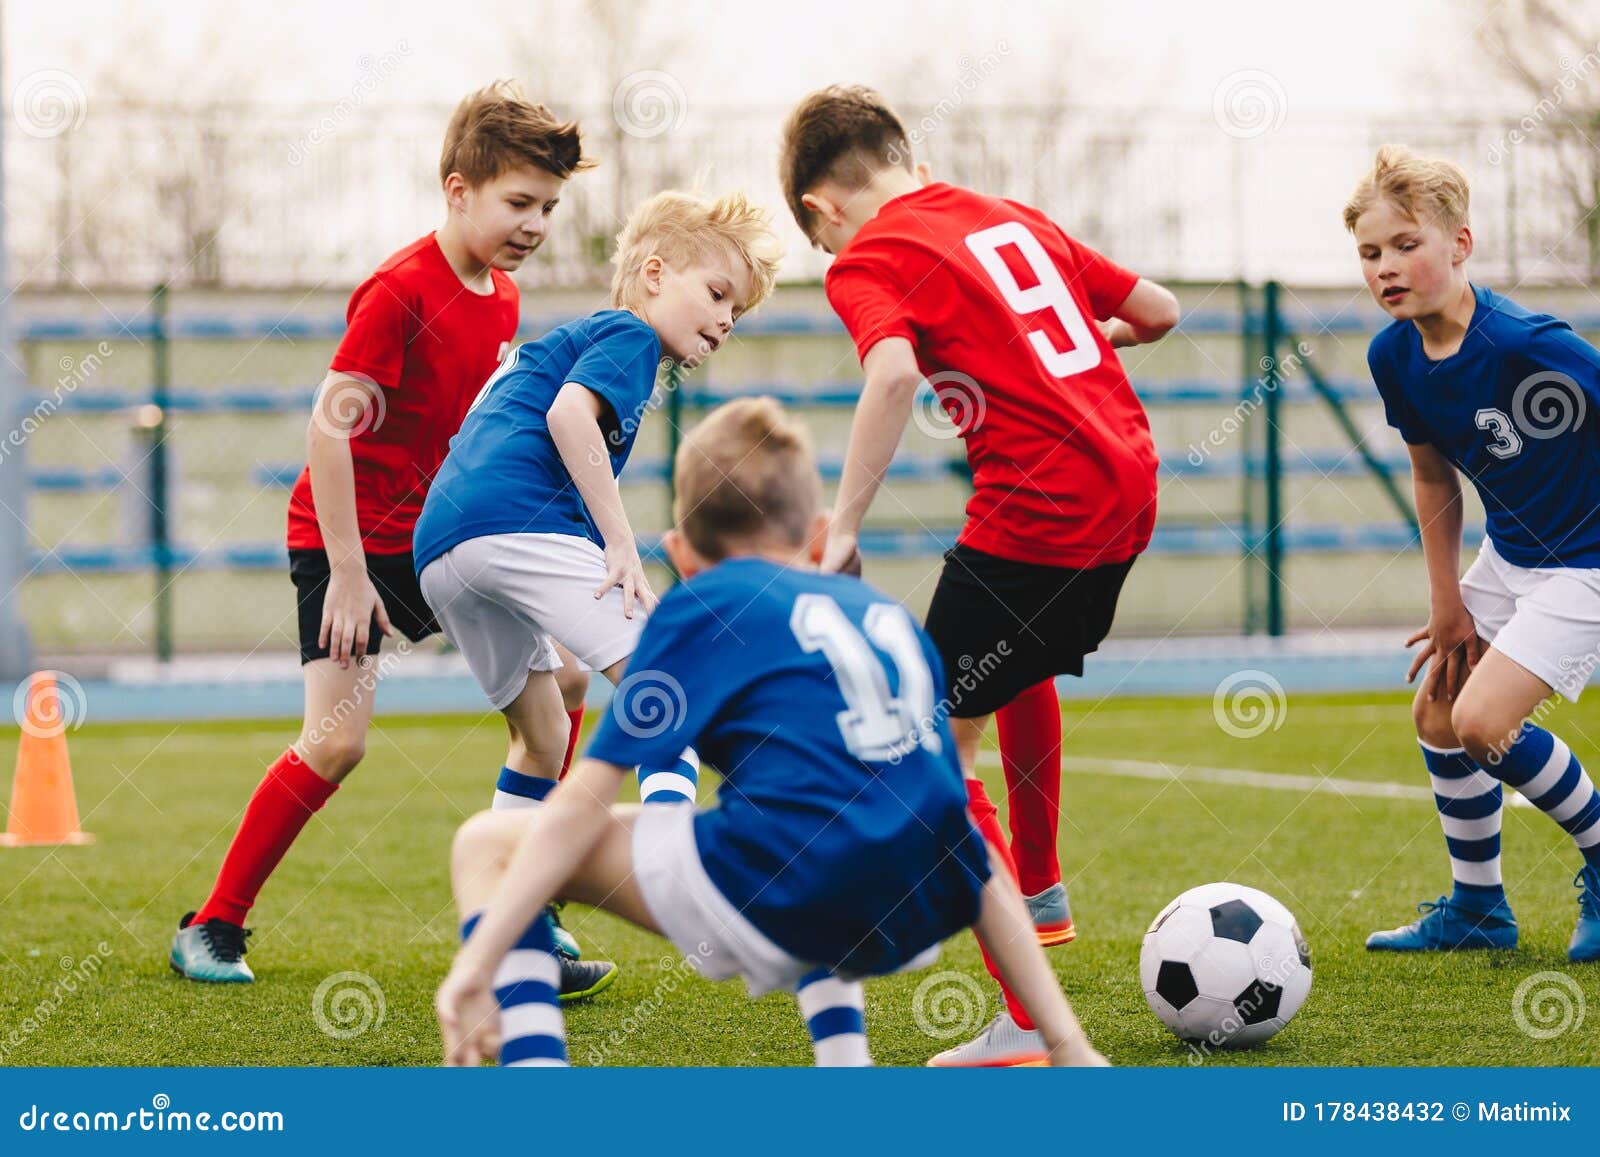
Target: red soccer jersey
column 431, row 343
column 999, row 304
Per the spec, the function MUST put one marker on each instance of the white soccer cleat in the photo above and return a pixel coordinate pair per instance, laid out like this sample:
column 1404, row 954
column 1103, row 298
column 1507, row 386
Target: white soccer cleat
column 1002, row 1045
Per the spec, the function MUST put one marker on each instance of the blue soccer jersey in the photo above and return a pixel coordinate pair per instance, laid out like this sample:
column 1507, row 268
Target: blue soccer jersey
column 842, row 830
column 503, row 474
column 1515, row 409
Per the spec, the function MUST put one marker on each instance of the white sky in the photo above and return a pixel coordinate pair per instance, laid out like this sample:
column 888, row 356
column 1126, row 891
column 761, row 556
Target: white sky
column 1357, row 56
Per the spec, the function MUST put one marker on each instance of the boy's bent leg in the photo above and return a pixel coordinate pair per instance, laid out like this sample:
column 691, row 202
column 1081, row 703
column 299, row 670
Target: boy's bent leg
column 1491, row 716
column 1469, row 801
column 574, row 683
column 1004, row 923
column 539, row 730
column 209, row 944
column 1029, row 731
column 834, row 1012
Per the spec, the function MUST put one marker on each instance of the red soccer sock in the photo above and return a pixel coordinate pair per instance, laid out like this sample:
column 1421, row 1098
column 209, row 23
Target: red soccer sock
column 987, row 820
column 289, row 794
column 576, row 719
column 1030, row 752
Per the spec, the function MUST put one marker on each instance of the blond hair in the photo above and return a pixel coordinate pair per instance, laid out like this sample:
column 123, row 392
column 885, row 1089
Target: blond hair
column 682, row 228
column 744, row 475
column 498, row 128
column 1426, row 189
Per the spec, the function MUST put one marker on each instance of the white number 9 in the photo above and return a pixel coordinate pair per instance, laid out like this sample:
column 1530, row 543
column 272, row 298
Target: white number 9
column 1051, row 293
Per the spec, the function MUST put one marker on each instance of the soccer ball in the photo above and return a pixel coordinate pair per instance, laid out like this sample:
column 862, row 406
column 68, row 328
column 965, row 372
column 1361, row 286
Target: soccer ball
column 1225, row 965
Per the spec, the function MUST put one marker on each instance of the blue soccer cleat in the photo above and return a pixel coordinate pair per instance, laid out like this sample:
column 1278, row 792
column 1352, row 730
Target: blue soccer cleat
column 565, row 944
column 1585, row 944
column 1446, row 927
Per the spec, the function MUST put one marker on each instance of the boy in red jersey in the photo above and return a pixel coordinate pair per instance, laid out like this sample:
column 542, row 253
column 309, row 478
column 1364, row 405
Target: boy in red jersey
column 424, row 333
column 1014, row 324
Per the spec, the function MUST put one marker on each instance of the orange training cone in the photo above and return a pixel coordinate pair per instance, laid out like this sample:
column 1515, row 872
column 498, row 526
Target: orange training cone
column 44, row 808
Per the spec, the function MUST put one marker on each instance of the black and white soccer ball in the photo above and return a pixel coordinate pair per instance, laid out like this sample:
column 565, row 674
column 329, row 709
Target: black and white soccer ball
column 1225, row 965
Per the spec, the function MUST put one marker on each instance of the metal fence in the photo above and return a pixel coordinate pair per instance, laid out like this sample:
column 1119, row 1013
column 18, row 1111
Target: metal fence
column 268, row 196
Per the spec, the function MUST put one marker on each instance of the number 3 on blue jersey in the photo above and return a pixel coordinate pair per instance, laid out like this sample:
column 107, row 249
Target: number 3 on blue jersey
column 876, row 726
column 1507, row 442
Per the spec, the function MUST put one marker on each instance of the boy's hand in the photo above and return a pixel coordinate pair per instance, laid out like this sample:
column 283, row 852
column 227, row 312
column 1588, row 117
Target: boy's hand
column 1117, row 333
column 624, row 569
column 469, row 1018
column 841, row 555
column 347, row 609
column 1451, row 640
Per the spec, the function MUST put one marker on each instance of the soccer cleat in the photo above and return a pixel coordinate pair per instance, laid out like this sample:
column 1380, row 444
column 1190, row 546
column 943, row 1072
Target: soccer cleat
column 1052, row 919
column 1585, row 944
column 1002, row 1045
column 1446, row 926
column 581, row 979
column 213, row 951
column 565, row 944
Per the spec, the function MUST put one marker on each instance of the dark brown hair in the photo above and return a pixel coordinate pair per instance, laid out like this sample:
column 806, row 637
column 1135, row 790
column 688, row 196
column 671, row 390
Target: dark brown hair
column 842, row 133
column 499, row 128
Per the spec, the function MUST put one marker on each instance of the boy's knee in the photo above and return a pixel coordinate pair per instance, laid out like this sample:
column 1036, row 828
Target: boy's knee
column 480, row 841
column 1485, row 732
column 1432, row 720
column 335, row 754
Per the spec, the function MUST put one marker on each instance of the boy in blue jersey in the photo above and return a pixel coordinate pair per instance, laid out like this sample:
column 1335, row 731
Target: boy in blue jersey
column 1477, row 384
column 842, row 842
column 523, row 541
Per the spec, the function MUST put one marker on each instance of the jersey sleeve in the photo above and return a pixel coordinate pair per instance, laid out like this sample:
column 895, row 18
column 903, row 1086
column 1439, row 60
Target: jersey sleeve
column 379, row 325
column 865, row 291
column 619, row 366
column 1397, row 410
column 1103, row 281
column 677, row 683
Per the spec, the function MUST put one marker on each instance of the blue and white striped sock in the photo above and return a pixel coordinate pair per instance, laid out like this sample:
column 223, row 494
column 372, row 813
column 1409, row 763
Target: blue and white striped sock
column 515, row 790
column 1544, row 770
column 1469, row 802
column 833, row 1012
column 677, row 784
column 527, row 986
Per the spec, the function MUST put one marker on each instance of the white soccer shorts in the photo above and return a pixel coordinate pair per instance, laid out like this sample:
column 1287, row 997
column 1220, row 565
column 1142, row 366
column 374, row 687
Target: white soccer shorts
column 1544, row 619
